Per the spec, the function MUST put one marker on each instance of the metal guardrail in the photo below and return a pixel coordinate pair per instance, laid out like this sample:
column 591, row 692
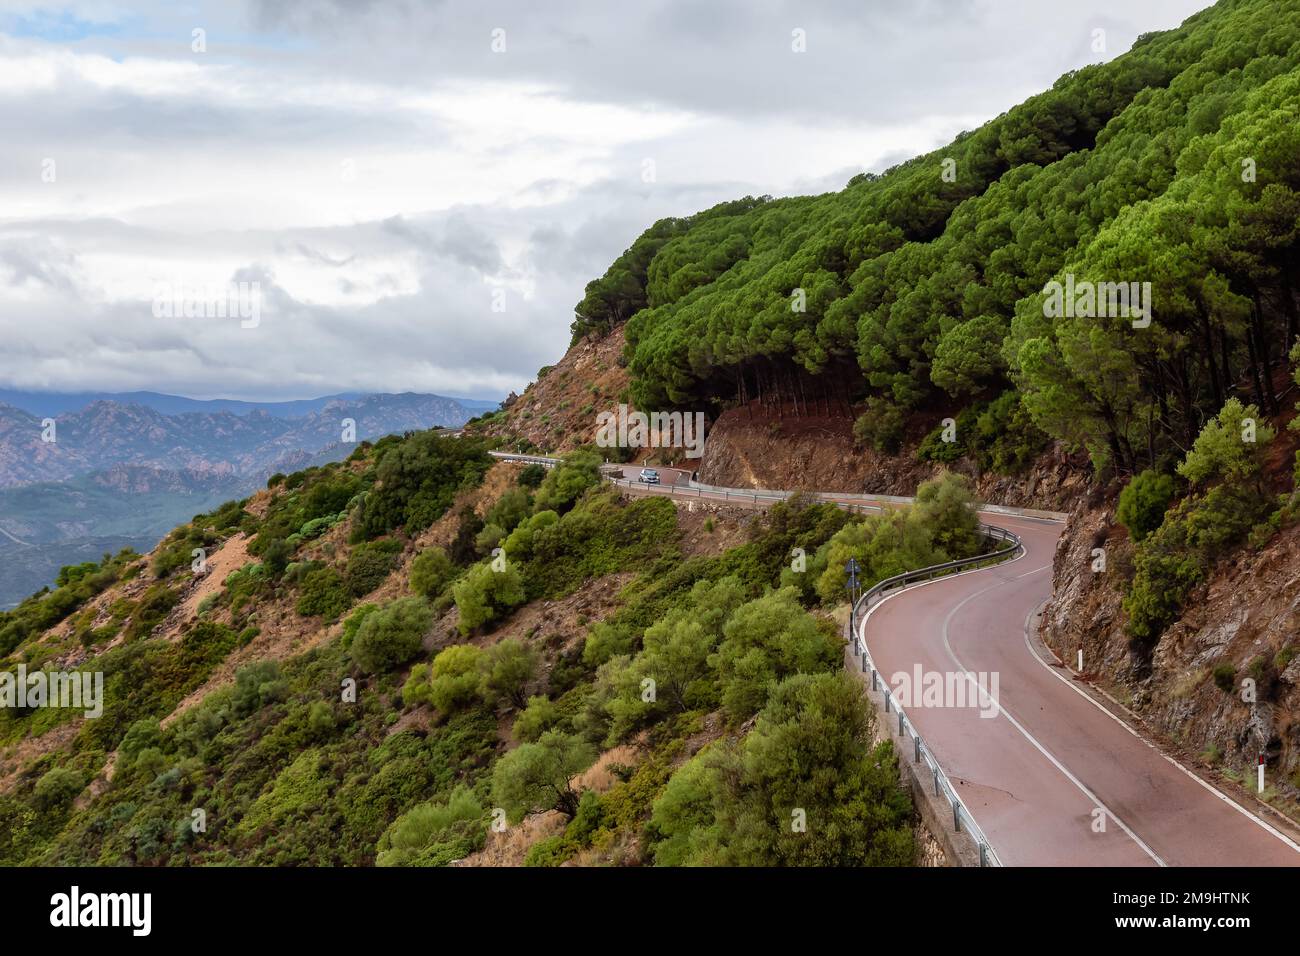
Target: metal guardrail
column 858, row 503
column 920, row 752
column 542, row 460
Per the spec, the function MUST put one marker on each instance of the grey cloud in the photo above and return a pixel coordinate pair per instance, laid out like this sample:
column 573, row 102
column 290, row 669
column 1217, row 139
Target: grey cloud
column 870, row 63
column 866, row 60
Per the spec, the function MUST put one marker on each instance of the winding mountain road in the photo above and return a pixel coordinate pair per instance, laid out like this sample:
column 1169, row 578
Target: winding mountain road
column 1056, row 777
column 1053, row 772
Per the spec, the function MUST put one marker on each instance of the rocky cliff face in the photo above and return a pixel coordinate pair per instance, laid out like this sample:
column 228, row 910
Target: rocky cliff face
column 557, row 412
column 1242, row 623
column 748, row 449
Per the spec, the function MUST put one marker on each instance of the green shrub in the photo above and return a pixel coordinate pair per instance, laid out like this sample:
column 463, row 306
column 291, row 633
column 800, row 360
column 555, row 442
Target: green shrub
column 318, row 526
column 946, row 506
column 567, row 481
column 152, row 608
column 352, row 623
column 369, row 564
column 539, row 716
column 416, row 689
column 508, row 667
column 1143, row 503
column 519, row 545
column 1177, row 555
column 296, row 571
column 435, row 834
column 417, row 481
column 489, row 538
column 537, row 777
column 934, row 448
column 1006, row 439
column 1220, row 453
column 1225, row 677
column 483, row 595
column 58, row 788
column 456, row 678
column 608, row 639
column 880, row 426
column 531, row 476
column 276, row 557
column 1165, row 571
column 392, row 635
column 431, row 572
column 511, row 508
column 810, row 753
column 257, row 685
column 324, row 593
column 765, row 641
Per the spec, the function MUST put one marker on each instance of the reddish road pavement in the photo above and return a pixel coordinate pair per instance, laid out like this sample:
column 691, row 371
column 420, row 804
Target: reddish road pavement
column 1039, row 773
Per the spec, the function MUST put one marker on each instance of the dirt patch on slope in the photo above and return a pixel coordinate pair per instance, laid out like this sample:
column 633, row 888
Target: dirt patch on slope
column 230, row 557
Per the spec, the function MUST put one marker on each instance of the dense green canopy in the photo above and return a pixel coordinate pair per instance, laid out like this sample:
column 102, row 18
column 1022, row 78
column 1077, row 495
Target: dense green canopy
column 1176, row 164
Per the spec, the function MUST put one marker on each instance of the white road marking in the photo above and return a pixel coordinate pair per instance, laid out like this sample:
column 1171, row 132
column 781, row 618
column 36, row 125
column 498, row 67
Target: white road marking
column 965, row 671
column 1115, row 717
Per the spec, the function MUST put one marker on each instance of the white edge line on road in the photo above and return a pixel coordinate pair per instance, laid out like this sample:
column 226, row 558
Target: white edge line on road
column 862, row 629
column 1096, row 801
column 1115, row 717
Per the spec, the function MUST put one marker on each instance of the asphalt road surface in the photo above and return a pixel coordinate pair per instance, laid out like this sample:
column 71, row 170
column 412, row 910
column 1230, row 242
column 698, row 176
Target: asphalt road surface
column 1051, row 776
column 1054, row 775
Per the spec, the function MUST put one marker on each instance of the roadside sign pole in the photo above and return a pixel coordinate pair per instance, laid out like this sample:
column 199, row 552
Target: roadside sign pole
column 852, row 569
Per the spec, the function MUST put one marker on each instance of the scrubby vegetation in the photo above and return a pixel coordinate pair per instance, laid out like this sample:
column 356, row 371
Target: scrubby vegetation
column 368, row 748
column 74, row 587
column 1225, row 501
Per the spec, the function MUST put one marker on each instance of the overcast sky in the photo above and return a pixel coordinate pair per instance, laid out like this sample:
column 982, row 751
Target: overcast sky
column 420, row 190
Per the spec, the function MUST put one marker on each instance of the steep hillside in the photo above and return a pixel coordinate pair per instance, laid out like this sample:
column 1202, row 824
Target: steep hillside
column 1214, row 671
column 417, row 657
column 557, row 412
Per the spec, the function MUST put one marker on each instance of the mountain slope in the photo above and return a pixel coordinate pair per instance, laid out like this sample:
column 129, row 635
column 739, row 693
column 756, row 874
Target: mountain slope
column 107, row 433
column 222, row 686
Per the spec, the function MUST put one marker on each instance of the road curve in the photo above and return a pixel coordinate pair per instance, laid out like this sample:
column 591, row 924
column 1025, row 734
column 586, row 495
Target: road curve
column 1053, row 774
column 1052, row 778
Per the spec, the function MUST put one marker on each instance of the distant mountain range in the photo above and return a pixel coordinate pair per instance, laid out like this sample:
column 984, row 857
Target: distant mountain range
column 124, row 469
column 58, row 403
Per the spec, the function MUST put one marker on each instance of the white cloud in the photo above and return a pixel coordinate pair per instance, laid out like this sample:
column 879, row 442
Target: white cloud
column 381, row 170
